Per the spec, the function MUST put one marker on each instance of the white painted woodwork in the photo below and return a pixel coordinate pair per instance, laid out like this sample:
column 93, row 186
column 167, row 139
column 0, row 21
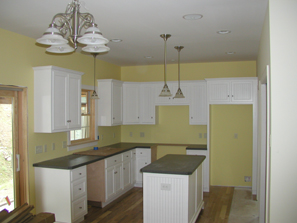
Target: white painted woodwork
column 127, row 171
column 205, row 166
column 143, row 158
column 110, row 102
column 62, row 192
column 198, row 103
column 181, row 203
column 236, row 91
column 133, row 166
column 138, row 103
column 57, row 99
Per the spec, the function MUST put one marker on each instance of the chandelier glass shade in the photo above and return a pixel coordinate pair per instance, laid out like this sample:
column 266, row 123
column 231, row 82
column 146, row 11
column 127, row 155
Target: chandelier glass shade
column 179, row 93
column 165, row 91
column 68, row 26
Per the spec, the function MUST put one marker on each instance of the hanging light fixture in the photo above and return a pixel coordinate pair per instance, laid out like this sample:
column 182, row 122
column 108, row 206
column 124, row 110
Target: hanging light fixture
column 68, row 26
column 179, row 93
column 165, row 91
column 94, row 95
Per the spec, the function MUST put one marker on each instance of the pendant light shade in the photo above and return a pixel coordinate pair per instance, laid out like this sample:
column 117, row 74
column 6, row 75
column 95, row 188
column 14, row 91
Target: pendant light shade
column 179, row 93
column 165, row 91
column 94, row 95
column 63, row 48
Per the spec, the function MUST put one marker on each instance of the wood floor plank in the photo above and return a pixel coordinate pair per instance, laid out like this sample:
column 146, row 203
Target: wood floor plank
column 129, row 208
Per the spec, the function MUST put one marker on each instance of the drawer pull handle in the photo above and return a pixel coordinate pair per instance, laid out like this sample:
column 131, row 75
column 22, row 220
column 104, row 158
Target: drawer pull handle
column 68, row 121
column 145, row 163
column 79, row 173
column 127, row 156
column 80, row 207
column 140, row 152
column 124, row 168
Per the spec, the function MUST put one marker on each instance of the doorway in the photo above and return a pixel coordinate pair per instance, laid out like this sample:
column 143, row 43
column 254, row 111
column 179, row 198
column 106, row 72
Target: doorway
column 13, row 147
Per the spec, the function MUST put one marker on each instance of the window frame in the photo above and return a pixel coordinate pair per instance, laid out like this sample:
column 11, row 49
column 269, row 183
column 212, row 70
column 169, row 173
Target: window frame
column 79, row 144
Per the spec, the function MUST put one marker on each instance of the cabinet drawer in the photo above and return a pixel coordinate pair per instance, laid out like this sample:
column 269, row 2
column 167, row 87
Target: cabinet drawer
column 113, row 160
column 78, row 173
column 78, row 188
column 79, row 208
column 127, row 155
column 143, row 152
column 133, row 154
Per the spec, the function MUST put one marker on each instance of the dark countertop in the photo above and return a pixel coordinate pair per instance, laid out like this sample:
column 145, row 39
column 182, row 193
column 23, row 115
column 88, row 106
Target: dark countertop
column 174, row 164
column 89, row 156
column 68, row 162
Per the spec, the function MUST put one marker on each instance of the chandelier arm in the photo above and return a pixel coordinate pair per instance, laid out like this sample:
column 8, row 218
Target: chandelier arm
column 64, row 23
column 87, row 20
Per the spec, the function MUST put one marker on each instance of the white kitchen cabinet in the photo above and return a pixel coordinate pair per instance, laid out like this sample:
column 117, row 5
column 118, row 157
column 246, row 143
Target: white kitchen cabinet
column 143, row 158
column 110, row 102
column 63, row 192
column 113, row 184
column 205, row 166
column 57, row 99
column 173, row 86
column 127, row 174
column 231, row 90
column 133, row 166
column 138, row 103
column 198, row 103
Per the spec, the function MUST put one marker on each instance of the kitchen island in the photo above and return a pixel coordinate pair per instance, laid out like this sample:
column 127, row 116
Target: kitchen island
column 173, row 189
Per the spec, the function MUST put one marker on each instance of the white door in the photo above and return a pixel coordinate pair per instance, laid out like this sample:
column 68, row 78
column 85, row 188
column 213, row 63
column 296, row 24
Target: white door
column 109, row 182
column 74, row 102
column 117, row 103
column 118, row 178
column 131, row 108
column 126, row 174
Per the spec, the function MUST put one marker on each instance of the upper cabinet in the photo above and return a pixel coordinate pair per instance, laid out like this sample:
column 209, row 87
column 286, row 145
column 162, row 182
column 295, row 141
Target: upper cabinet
column 110, row 102
column 138, row 103
column 198, row 103
column 173, row 86
column 57, row 99
column 231, row 90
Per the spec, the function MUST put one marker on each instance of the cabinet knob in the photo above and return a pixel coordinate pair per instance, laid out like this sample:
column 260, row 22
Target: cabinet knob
column 127, row 156
column 191, row 117
column 79, row 173
column 123, row 168
column 115, row 172
column 113, row 118
column 145, row 163
column 80, row 207
column 138, row 117
column 68, row 121
column 140, row 152
column 79, row 188
column 151, row 117
column 115, row 160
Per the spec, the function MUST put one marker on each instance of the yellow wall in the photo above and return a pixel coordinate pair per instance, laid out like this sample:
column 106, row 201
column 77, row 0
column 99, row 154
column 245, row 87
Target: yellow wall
column 231, row 158
column 18, row 55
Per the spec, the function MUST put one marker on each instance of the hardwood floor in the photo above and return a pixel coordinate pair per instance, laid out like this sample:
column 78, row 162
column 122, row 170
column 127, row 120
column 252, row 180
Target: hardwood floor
column 128, row 208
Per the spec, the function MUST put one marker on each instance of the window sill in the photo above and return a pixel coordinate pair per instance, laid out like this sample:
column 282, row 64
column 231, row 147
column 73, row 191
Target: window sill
column 82, row 145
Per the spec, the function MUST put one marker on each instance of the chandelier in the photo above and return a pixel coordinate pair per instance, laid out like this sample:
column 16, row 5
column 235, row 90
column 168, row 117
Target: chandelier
column 68, row 26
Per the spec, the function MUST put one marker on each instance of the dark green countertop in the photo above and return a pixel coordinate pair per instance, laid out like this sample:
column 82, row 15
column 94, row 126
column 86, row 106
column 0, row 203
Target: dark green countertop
column 174, row 164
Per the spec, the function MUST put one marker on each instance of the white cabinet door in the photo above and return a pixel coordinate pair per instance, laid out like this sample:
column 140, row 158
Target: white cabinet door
column 110, row 102
column 109, row 183
column 118, row 178
column 242, row 91
column 147, row 104
column 219, row 91
column 198, row 104
column 143, row 158
column 131, row 107
column 57, row 99
column 126, row 174
column 133, row 167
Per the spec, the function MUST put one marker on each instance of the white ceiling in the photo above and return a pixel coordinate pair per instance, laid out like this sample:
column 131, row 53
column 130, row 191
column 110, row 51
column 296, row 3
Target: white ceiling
column 139, row 24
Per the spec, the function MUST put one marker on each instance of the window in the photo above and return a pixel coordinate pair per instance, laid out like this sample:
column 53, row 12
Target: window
column 87, row 132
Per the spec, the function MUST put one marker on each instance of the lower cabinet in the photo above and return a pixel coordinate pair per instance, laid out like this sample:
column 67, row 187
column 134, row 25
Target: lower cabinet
column 143, row 158
column 63, row 192
column 113, row 180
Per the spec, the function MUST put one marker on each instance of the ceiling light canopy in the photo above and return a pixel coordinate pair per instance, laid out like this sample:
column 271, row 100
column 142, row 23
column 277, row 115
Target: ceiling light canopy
column 192, row 16
column 225, row 31
column 68, row 26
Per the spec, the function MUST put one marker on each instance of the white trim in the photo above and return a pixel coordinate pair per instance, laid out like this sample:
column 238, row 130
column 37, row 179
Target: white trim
column 87, row 144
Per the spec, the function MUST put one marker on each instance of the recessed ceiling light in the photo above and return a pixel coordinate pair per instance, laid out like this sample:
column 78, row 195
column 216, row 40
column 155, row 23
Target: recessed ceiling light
column 225, row 31
column 116, row 40
column 192, row 16
column 230, row 53
column 148, row 57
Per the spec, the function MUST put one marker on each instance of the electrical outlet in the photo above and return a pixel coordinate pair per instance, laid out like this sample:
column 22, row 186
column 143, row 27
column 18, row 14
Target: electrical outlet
column 235, row 136
column 200, row 135
column 131, row 134
column 205, row 135
column 141, row 134
column 38, row 149
column 113, row 135
column 165, row 186
column 53, row 146
column 102, row 137
column 247, row 179
column 45, row 148
column 64, row 144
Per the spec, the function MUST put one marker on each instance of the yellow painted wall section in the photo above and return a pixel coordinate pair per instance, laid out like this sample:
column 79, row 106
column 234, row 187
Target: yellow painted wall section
column 18, row 55
column 173, row 127
column 189, row 71
column 231, row 158
column 164, row 150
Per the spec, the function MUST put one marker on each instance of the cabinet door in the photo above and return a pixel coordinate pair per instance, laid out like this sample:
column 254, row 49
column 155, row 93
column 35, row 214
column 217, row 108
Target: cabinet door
column 133, row 167
column 147, row 104
column 117, row 103
column 131, row 108
column 140, row 163
column 126, row 174
column 118, row 178
column 219, row 91
column 109, row 182
column 198, row 104
column 242, row 91
column 60, row 101
column 74, row 120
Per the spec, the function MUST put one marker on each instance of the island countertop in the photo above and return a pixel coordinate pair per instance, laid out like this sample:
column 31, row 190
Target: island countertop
column 174, row 164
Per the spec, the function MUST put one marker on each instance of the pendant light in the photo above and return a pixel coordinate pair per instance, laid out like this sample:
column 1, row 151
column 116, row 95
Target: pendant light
column 94, row 95
column 165, row 91
column 179, row 93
